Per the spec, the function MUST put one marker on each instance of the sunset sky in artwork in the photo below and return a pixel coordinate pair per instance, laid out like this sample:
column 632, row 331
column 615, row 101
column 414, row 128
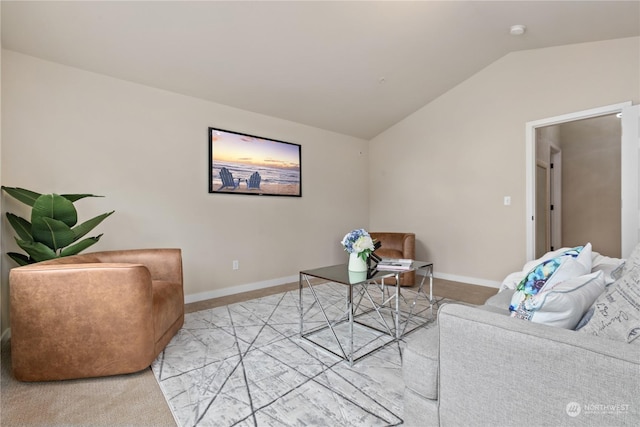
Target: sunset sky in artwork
column 231, row 147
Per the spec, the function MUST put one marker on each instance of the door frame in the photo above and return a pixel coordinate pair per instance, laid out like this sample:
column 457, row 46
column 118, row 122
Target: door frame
column 530, row 166
column 556, row 196
column 545, row 166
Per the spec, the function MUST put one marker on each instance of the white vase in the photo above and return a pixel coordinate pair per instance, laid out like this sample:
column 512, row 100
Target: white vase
column 356, row 263
column 357, row 276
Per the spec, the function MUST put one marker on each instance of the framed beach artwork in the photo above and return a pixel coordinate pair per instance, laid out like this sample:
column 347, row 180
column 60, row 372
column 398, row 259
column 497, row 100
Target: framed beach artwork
column 247, row 164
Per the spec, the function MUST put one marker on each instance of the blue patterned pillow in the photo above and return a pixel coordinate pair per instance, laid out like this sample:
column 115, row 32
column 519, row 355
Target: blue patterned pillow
column 542, row 274
column 564, row 305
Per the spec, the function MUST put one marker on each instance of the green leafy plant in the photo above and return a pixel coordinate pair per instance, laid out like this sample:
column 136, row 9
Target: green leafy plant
column 53, row 231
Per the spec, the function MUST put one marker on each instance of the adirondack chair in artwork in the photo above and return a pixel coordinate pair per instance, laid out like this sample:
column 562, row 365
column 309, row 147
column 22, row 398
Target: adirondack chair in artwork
column 227, row 179
column 253, row 183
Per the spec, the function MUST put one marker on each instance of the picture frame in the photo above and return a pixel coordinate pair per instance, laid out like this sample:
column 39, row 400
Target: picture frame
column 240, row 163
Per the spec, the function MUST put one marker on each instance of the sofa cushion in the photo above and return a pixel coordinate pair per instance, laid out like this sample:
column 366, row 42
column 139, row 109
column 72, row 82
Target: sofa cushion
column 616, row 313
column 420, row 362
column 564, row 304
column 501, row 300
column 418, row 411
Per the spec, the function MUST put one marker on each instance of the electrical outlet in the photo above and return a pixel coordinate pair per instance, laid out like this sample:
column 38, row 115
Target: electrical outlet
column 235, row 264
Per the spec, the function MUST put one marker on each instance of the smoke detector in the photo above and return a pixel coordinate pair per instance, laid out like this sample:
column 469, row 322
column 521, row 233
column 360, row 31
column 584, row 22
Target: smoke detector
column 517, row 30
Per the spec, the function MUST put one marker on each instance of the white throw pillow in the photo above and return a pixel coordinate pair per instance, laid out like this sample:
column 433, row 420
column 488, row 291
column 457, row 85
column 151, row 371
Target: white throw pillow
column 512, row 280
column 611, row 267
column 585, row 258
column 549, row 255
column 633, row 261
column 564, row 304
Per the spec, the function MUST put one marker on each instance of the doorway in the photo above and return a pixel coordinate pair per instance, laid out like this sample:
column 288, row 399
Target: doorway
column 579, row 201
column 628, row 172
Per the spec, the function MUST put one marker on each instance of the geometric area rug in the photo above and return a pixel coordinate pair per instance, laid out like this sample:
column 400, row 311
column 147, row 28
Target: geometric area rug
column 245, row 364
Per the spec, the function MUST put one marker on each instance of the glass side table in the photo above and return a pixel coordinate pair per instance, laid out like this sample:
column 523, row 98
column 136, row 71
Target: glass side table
column 381, row 313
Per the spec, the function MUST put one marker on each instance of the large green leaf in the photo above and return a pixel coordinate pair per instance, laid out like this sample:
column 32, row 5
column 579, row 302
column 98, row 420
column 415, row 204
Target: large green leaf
column 27, row 197
column 20, row 259
column 80, row 246
column 56, row 207
column 50, row 233
column 36, row 250
column 21, row 226
column 53, row 233
column 87, row 226
column 75, row 197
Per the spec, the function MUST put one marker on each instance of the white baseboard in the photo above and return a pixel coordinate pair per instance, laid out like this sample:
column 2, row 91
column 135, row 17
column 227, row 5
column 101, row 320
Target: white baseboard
column 202, row 296
column 284, row 280
column 464, row 279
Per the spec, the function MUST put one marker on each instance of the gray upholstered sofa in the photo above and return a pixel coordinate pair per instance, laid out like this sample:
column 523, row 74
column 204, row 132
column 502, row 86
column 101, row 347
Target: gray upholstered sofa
column 479, row 366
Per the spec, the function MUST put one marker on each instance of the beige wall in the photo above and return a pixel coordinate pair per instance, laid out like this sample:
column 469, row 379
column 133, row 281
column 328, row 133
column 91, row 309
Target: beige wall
column 442, row 172
column 70, row 131
column 447, row 167
column 591, row 183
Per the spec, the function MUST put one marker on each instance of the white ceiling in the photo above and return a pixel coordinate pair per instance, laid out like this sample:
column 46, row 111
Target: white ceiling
column 355, row 67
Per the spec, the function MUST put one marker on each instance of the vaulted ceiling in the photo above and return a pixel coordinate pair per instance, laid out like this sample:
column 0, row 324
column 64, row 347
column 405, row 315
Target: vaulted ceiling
column 353, row 67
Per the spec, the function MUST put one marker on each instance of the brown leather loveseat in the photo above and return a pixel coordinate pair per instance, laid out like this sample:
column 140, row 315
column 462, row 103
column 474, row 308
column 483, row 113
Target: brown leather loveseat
column 96, row 314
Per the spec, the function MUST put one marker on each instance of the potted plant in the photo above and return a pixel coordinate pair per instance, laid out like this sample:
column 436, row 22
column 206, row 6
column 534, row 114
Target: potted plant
column 53, row 231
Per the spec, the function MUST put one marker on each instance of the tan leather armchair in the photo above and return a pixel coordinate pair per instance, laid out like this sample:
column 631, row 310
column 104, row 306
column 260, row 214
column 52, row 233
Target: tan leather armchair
column 92, row 315
column 397, row 245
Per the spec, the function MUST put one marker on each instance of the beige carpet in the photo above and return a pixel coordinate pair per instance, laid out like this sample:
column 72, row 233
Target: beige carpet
column 123, row 400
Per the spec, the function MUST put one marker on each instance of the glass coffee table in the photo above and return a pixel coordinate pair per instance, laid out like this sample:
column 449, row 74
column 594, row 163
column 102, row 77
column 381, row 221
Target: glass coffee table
column 370, row 316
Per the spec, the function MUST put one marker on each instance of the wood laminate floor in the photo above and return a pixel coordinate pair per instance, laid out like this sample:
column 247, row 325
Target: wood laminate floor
column 464, row 292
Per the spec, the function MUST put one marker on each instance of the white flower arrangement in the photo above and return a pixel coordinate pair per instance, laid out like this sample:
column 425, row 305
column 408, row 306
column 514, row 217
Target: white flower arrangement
column 358, row 242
